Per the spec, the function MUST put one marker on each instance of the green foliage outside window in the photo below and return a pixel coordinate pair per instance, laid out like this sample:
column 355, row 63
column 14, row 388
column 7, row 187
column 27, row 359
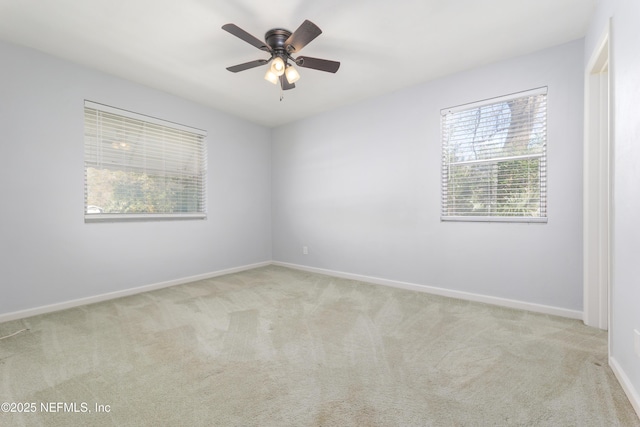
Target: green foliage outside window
column 133, row 192
column 494, row 159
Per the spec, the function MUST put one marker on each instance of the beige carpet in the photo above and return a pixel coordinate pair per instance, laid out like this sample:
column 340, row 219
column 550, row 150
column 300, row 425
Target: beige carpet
column 279, row 347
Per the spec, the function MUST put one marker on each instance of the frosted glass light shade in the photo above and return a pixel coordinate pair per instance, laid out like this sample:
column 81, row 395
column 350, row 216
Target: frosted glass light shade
column 277, row 66
column 292, row 74
column 270, row 77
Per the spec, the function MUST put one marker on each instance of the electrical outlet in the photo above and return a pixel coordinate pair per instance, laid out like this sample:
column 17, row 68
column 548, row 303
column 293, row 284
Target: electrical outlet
column 636, row 341
column 305, row 250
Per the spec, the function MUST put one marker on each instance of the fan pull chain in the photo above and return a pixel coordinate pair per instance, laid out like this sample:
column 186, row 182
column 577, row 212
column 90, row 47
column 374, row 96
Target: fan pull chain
column 281, row 93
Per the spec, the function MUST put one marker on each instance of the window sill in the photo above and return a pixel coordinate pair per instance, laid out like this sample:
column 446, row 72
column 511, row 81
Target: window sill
column 140, row 217
column 493, row 219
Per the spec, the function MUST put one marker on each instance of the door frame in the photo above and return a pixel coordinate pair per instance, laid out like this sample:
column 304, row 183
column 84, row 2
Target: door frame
column 597, row 190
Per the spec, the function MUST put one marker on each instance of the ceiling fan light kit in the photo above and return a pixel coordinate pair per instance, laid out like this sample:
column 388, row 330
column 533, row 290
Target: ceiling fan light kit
column 282, row 44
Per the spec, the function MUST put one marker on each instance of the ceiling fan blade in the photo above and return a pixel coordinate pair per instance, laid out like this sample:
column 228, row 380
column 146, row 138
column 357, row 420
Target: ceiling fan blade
column 284, row 83
column 302, row 36
column 317, row 64
column 242, row 34
column 247, row 65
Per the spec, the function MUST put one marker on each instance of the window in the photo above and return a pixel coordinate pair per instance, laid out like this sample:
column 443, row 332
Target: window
column 139, row 167
column 494, row 159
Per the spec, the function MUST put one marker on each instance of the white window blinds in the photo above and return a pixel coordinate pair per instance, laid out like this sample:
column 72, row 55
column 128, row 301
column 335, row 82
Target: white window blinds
column 140, row 167
column 494, row 159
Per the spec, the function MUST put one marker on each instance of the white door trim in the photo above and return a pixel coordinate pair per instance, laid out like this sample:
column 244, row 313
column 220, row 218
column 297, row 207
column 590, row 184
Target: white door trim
column 597, row 187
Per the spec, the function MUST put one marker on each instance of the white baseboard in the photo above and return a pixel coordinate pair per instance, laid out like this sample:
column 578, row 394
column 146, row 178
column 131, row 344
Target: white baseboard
column 627, row 386
column 123, row 293
column 503, row 302
column 538, row 308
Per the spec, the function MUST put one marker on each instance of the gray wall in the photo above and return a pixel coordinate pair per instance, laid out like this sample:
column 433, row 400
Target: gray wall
column 625, row 287
column 360, row 187
column 48, row 254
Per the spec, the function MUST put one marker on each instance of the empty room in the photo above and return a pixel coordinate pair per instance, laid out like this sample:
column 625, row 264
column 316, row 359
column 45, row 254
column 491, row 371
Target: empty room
column 305, row 213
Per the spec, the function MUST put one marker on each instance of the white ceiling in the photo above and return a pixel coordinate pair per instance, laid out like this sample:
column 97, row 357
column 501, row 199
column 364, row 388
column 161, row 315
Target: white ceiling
column 383, row 45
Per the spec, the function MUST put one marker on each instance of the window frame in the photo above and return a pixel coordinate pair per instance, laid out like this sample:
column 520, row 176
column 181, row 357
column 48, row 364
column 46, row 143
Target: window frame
column 199, row 150
column 445, row 165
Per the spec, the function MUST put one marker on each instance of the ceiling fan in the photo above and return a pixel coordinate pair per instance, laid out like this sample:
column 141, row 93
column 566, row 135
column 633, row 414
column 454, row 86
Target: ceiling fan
column 282, row 45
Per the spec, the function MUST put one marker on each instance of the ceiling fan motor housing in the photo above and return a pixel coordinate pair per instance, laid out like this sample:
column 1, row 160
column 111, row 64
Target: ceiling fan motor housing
column 276, row 37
